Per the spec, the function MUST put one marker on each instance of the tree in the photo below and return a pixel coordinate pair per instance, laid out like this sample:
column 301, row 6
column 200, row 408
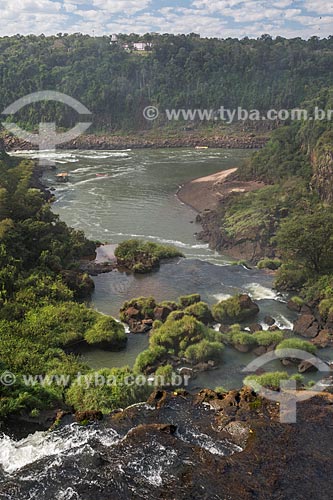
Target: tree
column 308, row 240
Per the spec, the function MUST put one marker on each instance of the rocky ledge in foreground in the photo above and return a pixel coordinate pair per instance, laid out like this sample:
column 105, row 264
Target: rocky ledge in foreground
column 207, row 446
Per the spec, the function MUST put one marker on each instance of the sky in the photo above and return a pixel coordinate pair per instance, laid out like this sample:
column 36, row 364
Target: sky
column 209, row 18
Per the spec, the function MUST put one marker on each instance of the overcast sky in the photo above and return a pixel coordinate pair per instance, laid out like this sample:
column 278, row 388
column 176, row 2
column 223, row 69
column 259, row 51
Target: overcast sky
column 212, row 18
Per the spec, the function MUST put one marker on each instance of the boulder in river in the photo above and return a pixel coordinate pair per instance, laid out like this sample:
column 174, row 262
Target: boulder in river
column 306, row 366
column 324, row 338
column 306, row 326
column 269, row 320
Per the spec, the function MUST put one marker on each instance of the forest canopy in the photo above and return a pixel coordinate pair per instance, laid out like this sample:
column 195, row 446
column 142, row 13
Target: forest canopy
column 178, row 71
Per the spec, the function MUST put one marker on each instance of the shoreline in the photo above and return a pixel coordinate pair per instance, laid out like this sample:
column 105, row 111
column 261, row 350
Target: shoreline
column 149, row 141
column 207, row 193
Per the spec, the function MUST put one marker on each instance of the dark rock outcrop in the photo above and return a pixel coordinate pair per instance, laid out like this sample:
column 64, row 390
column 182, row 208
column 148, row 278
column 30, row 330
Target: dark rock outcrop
column 185, row 447
column 88, row 416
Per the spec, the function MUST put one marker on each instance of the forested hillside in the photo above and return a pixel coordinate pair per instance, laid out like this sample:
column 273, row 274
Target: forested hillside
column 177, row 72
column 291, row 217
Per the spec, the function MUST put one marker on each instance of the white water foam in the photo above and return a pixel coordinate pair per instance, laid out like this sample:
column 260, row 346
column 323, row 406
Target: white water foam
column 206, row 442
column 260, row 292
column 68, row 494
column 152, row 470
column 162, row 240
column 16, row 454
column 48, row 154
column 221, row 296
column 283, row 323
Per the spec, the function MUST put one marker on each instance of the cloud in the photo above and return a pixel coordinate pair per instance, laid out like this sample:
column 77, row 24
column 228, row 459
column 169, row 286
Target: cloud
column 128, row 6
column 30, row 6
column 319, row 6
column 216, row 18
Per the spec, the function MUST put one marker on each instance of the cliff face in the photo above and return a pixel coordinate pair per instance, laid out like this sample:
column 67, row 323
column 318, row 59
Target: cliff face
column 252, row 243
column 322, row 180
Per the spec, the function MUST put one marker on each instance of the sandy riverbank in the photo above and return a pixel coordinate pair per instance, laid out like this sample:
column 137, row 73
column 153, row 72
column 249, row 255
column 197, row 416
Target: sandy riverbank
column 208, row 192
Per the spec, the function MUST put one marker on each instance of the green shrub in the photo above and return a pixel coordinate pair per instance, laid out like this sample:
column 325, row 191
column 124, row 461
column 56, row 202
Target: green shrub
column 266, row 339
column 267, row 263
column 164, row 375
column 200, row 311
column 297, row 300
column 295, row 343
column 105, row 390
column 220, row 390
column 177, row 335
column 230, row 310
column 204, row 351
column 226, row 310
column 188, row 300
column 326, row 308
column 270, row 380
column 319, row 288
column 139, row 268
column 149, row 357
column 243, row 338
column 291, row 277
column 176, row 315
column 170, row 304
column 108, row 333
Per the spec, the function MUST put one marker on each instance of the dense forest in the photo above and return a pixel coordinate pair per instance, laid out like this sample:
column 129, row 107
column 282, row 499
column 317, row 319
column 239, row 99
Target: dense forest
column 183, row 71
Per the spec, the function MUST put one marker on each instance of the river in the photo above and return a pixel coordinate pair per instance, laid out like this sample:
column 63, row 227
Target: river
column 116, row 195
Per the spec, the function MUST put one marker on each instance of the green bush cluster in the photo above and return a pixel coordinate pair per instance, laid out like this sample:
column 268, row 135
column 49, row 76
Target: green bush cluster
column 184, row 337
column 189, row 300
column 263, row 338
column 143, row 256
column 295, row 343
column 201, row 311
column 149, row 357
column 144, row 305
column 230, row 310
column 271, row 380
column 107, row 332
column 105, row 390
column 204, row 351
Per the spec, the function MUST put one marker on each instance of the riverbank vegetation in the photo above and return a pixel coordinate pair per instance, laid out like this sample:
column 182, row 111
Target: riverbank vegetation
column 40, row 280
